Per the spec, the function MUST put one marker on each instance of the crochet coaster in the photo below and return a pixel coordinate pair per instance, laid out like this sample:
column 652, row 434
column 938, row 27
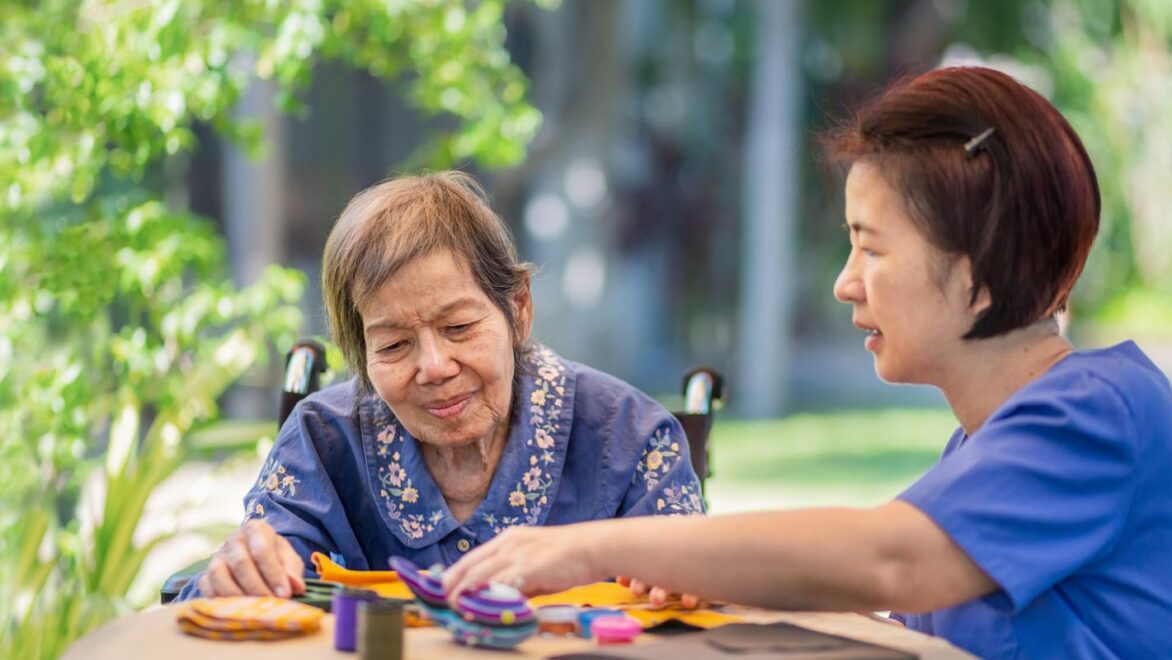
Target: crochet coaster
column 247, row 617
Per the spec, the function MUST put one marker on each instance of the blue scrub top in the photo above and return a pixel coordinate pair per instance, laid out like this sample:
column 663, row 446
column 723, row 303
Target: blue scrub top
column 1064, row 498
column 346, row 479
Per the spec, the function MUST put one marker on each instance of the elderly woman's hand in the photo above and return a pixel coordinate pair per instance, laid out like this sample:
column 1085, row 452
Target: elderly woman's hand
column 254, row 561
column 534, row 560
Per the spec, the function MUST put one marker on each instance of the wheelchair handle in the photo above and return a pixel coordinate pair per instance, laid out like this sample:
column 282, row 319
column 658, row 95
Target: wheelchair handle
column 701, row 386
column 304, row 365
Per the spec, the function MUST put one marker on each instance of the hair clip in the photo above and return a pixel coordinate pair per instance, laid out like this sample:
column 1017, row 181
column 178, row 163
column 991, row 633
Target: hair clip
column 974, row 145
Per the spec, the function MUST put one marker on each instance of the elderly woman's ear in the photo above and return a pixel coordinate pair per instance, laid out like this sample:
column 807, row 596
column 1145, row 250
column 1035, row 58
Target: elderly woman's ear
column 523, row 311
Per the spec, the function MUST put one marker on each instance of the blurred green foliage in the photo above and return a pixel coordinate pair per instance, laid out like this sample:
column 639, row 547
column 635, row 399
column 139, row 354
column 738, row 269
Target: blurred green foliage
column 840, row 458
column 119, row 324
column 1111, row 64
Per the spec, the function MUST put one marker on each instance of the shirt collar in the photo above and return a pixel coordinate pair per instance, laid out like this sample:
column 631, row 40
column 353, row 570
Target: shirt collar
column 526, row 479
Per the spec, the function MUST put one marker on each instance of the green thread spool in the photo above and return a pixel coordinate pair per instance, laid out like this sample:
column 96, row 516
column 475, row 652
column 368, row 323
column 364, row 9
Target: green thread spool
column 380, row 630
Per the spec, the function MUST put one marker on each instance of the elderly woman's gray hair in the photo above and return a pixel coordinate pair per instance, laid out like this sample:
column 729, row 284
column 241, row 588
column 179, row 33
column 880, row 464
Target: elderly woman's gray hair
column 391, row 223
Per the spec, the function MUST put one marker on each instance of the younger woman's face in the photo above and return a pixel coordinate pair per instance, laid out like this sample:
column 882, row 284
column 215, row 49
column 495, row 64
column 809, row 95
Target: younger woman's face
column 912, row 299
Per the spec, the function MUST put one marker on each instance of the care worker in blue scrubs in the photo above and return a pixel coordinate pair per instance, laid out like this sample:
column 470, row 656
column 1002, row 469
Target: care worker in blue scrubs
column 1046, row 528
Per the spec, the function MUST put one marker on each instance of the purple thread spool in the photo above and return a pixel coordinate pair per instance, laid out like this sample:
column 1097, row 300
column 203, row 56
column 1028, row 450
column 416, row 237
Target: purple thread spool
column 345, row 610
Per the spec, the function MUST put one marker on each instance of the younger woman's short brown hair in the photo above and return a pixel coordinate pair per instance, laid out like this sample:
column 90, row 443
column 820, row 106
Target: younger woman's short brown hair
column 1022, row 203
column 391, row 223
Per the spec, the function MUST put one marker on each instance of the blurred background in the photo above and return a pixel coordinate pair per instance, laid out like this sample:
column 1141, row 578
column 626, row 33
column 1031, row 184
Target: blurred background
column 169, row 172
column 672, row 198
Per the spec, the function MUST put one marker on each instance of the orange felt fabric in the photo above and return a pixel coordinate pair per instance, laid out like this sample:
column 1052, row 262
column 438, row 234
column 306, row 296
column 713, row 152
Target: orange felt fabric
column 385, row 583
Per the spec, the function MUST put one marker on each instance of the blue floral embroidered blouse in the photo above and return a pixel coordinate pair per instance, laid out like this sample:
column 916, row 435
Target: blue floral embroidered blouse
column 350, row 481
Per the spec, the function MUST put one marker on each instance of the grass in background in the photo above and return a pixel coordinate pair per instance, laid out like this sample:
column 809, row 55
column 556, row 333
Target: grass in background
column 846, row 458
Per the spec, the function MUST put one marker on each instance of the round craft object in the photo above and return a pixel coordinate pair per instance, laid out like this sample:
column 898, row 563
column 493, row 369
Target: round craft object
column 615, row 629
column 474, row 633
column 587, row 617
column 558, row 620
column 501, row 593
column 496, row 616
column 426, row 587
column 257, row 612
column 496, row 606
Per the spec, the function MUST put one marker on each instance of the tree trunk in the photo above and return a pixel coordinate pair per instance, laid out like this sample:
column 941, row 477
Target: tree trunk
column 772, row 170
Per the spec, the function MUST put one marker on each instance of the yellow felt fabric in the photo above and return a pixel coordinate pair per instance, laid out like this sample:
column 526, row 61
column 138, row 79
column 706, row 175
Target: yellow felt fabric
column 598, row 594
column 609, row 594
column 700, row 618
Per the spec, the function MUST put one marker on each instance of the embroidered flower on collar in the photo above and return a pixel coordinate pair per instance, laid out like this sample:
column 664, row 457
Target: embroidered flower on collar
column 407, row 497
column 397, row 489
column 530, row 496
column 504, row 523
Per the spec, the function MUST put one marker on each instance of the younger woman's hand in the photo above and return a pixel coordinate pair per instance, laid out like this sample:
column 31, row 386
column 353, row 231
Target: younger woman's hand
column 657, row 596
column 533, row 560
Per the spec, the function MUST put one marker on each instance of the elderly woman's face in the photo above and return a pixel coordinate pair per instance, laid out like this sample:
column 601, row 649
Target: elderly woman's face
column 440, row 353
column 911, row 299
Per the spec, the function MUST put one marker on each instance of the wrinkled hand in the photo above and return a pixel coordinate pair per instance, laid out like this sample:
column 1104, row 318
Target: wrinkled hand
column 534, row 560
column 657, row 596
column 254, row 561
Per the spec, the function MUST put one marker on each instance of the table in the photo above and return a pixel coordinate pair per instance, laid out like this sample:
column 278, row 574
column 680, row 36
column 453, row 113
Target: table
column 153, row 633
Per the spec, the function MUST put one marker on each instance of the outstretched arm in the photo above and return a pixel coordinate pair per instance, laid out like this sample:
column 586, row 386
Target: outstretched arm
column 890, row 557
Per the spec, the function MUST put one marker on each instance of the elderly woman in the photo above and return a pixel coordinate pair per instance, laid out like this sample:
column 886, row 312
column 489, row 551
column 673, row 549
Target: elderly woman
column 456, row 427
column 1046, row 528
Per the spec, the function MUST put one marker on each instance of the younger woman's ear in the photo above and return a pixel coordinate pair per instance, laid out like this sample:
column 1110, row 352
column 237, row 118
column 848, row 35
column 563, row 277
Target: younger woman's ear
column 983, row 301
column 975, row 306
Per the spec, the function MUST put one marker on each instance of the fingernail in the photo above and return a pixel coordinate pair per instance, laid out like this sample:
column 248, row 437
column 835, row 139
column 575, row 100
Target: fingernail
column 283, row 591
